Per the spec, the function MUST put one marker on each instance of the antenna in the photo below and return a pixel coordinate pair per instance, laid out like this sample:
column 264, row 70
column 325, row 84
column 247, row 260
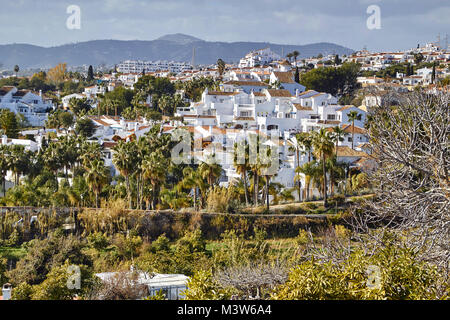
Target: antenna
column 446, row 42
column 193, row 58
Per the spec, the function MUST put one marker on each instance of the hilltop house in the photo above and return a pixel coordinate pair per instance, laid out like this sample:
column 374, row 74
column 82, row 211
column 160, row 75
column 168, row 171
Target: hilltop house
column 30, row 104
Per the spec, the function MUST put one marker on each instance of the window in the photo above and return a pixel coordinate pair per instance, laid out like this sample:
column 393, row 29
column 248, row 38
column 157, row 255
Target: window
column 331, row 117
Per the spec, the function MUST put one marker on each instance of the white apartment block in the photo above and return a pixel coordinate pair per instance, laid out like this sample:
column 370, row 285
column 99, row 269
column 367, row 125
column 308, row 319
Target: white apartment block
column 137, row 66
column 30, row 104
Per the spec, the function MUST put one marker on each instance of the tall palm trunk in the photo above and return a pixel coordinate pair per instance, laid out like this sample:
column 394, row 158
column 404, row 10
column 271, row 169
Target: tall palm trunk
column 127, row 181
column 325, row 203
column 267, row 192
column 255, row 187
column 245, row 188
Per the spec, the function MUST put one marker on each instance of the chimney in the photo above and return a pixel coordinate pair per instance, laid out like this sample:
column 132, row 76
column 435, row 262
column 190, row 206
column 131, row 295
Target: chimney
column 4, row 140
column 40, row 93
column 6, row 291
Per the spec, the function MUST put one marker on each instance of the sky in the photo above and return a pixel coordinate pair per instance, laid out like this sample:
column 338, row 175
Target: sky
column 403, row 23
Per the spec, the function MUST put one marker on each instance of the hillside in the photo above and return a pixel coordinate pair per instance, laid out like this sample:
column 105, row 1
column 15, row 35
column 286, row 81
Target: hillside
column 176, row 47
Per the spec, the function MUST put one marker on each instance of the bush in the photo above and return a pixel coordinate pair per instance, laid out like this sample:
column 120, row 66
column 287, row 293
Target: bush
column 336, row 200
column 202, row 287
column 222, row 200
column 303, row 237
column 391, row 273
column 98, row 241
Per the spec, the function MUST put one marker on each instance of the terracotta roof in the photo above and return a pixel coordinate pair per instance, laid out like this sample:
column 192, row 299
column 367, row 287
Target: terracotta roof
column 247, row 83
column 279, row 93
column 284, row 77
column 329, row 122
column 345, row 108
column 259, row 94
column 349, row 129
column 5, row 89
column 109, row 144
column 20, row 93
column 245, row 119
column 298, row 106
column 344, row 151
column 306, row 92
column 220, row 93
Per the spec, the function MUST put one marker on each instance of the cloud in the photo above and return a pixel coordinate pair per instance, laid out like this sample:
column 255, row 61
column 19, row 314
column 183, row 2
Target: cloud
column 404, row 22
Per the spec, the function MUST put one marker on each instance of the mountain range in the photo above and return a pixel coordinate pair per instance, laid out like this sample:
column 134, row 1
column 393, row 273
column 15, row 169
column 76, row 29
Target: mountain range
column 172, row 47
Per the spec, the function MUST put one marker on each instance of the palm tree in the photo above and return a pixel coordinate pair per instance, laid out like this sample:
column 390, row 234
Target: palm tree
column 308, row 169
column 289, row 56
column 192, row 180
column 305, row 139
column 242, row 166
column 295, row 54
column 210, row 171
column 296, row 147
column 323, row 148
column 154, row 169
column 338, row 135
column 124, row 158
column 353, row 116
column 4, row 165
column 96, row 177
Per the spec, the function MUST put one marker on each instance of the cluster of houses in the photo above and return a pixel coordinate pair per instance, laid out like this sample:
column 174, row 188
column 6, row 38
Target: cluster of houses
column 259, row 96
column 30, row 104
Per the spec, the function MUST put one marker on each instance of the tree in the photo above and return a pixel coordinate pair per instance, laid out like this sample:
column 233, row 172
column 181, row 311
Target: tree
column 336, row 81
column 57, row 74
column 55, row 286
column 8, row 123
column 97, row 176
column 221, row 67
column 297, row 75
column 418, row 58
column 338, row 135
column 323, row 148
column 295, row 54
column 66, row 119
column 353, row 116
column 79, row 107
column 203, row 287
column 400, row 276
column 85, row 127
column 124, row 158
column 90, row 74
column 4, row 165
column 154, row 167
column 16, row 69
column 210, row 170
column 412, row 183
column 289, row 56
column 337, row 60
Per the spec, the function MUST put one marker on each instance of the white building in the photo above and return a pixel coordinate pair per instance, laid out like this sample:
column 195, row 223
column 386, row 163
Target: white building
column 31, row 105
column 259, row 57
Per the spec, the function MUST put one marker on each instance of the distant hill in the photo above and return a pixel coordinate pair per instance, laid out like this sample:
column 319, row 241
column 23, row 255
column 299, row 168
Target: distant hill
column 176, row 47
